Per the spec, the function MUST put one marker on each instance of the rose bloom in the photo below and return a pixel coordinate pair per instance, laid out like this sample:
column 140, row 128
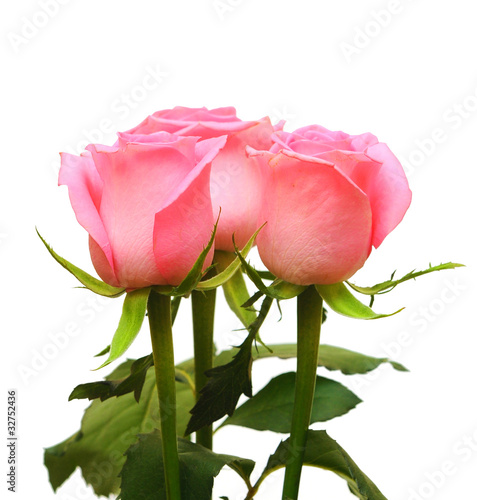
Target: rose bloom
column 146, row 207
column 329, row 198
column 235, row 183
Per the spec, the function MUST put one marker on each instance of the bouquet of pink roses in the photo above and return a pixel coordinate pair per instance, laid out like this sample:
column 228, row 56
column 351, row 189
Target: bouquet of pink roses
column 173, row 209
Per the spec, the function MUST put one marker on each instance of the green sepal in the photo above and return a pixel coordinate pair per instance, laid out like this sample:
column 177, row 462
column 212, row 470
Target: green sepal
column 175, row 303
column 132, row 317
column 324, row 452
column 387, row 286
column 342, row 301
column 235, row 290
column 272, row 407
column 143, row 473
column 279, row 289
column 266, row 275
column 91, row 283
column 228, row 272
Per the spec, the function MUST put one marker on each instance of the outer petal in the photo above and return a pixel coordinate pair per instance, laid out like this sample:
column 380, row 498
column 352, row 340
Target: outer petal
column 281, row 140
column 173, row 120
column 101, row 264
column 153, row 138
column 138, row 180
column 224, row 114
column 389, row 193
column 183, row 228
column 319, row 223
column 85, row 191
column 363, row 171
column 208, row 129
column 236, row 185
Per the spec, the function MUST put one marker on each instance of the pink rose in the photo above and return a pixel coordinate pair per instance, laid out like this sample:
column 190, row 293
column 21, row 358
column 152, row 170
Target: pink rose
column 235, row 182
column 146, row 207
column 329, row 198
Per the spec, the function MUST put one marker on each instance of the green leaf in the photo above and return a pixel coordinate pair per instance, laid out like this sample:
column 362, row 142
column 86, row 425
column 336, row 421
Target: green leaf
column 330, row 357
column 228, row 382
column 225, row 386
column 175, row 304
column 93, row 284
column 143, row 473
column 351, row 362
column 226, row 273
column 271, row 408
column 387, row 286
column 324, row 452
column 342, row 301
column 108, row 429
column 103, row 352
column 105, row 389
column 132, row 317
column 132, row 380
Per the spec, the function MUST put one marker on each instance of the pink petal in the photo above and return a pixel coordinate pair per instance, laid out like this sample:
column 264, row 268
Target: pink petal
column 155, row 137
column 194, row 114
column 101, row 264
column 184, row 226
column 319, row 223
column 138, row 180
column 361, row 170
column 85, row 191
column 180, row 118
column 236, row 185
column 389, row 194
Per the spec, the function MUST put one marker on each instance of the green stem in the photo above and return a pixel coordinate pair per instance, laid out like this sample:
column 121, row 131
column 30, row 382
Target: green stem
column 203, row 310
column 309, row 313
column 160, row 322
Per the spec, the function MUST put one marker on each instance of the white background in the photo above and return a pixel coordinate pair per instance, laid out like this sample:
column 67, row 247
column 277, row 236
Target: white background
column 408, row 75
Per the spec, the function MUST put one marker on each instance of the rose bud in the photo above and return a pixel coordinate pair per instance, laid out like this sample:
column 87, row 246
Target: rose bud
column 329, row 198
